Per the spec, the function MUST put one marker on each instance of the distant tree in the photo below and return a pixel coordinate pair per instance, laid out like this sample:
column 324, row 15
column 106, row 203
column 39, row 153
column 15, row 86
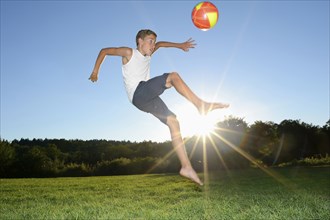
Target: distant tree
column 36, row 163
column 141, row 165
column 312, row 136
column 56, row 156
column 145, row 149
column 324, row 139
column 117, row 151
column 233, row 130
column 7, row 158
column 119, row 166
column 53, row 152
column 326, row 127
column 263, row 141
column 298, row 140
column 229, row 142
column 77, row 170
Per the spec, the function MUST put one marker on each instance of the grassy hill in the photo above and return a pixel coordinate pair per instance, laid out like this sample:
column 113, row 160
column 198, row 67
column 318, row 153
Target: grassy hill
column 283, row 193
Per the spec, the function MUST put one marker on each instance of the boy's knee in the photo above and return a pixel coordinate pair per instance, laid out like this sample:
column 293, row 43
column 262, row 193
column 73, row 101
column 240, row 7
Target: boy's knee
column 172, row 121
column 173, row 76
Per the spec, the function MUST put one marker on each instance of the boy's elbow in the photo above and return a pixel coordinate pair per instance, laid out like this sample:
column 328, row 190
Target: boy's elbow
column 103, row 51
column 158, row 45
column 108, row 51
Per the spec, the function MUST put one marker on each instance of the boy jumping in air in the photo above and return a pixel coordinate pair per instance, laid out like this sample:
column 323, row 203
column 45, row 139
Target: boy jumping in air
column 144, row 92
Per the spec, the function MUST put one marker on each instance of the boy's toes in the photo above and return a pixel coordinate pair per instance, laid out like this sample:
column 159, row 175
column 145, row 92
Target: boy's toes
column 191, row 174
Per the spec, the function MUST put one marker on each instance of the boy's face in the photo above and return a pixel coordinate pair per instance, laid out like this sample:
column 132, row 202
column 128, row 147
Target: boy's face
column 147, row 45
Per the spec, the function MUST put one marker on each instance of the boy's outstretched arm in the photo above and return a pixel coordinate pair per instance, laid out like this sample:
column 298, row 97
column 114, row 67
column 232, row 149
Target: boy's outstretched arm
column 185, row 46
column 124, row 52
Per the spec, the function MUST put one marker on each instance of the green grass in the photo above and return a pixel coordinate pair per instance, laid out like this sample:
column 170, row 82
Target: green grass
column 293, row 193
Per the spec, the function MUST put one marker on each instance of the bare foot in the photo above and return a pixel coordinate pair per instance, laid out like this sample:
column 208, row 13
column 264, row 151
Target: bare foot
column 190, row 173
column 206, row 107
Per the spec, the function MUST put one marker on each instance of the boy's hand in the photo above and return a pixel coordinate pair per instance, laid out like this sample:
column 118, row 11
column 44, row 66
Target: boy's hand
column 93, row 77
column 190, row 43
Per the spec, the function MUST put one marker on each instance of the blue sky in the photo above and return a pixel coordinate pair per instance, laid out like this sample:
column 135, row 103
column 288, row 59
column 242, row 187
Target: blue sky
column 268, row 59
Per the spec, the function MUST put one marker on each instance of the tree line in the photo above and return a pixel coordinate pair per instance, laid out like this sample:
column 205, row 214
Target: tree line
column 233, row 144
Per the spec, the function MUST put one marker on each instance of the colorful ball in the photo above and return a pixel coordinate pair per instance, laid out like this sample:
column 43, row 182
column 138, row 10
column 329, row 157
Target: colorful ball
column 205, row 15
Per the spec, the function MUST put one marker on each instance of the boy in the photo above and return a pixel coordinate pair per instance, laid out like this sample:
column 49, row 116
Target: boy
column 144, row 92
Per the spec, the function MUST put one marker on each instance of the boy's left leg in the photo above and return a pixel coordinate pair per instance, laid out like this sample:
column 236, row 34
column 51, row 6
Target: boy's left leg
column 181, row 87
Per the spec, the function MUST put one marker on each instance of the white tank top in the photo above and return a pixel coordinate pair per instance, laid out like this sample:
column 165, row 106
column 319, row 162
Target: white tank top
column 136, row 70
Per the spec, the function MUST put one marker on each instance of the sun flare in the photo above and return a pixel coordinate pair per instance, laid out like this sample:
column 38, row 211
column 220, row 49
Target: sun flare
column 204, row 125
column 192, row 123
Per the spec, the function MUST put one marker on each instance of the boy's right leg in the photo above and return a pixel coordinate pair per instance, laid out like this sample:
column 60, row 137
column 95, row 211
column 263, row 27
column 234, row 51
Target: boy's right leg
column 146, row 99
column 181, row 87
column 178, row 145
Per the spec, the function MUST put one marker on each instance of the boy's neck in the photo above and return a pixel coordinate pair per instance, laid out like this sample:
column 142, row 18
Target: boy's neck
column 141, row 52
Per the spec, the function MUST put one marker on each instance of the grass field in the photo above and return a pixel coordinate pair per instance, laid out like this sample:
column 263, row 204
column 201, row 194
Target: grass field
column 286, row 193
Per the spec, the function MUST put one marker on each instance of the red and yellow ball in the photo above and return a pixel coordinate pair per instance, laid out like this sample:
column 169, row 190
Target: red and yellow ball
column 205, row 15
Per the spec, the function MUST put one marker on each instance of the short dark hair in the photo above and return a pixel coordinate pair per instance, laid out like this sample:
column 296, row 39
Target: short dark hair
column 143, row 33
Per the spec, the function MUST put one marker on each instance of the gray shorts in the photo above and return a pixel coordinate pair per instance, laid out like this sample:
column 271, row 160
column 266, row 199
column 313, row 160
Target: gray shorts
column 146, row 97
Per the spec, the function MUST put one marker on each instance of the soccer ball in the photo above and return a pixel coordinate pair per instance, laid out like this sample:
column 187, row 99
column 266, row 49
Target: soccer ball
column 205, row 15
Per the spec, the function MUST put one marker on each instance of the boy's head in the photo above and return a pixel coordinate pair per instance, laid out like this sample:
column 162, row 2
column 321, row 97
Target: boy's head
column 142, row 34
column 146, row 42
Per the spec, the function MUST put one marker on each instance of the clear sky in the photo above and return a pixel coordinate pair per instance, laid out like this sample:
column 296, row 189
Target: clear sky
column 268, row 59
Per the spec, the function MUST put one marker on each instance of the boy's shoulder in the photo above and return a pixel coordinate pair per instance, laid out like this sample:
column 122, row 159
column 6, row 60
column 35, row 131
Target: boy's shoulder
column 128, row 50
column 127, row 54
column 123, row 51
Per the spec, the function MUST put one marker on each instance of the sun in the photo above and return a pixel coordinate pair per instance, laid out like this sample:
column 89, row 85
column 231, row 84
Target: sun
column 194, row 124
column 205, row 125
